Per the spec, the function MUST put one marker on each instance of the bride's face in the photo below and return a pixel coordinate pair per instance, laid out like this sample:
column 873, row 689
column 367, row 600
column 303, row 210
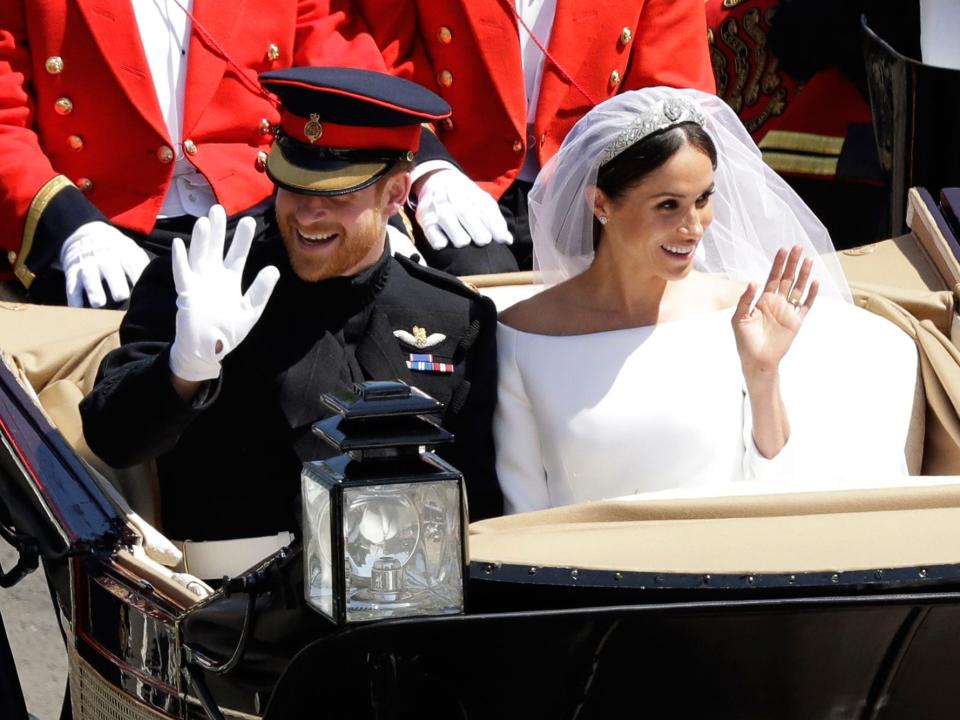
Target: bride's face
column 659, row 221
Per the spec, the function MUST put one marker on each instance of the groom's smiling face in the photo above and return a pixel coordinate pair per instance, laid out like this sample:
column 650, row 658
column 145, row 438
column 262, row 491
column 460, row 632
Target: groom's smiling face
column 340, row 235
column 659, row 222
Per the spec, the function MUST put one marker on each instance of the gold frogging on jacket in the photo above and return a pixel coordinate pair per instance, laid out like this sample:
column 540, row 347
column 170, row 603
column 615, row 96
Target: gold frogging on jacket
column 754, row 79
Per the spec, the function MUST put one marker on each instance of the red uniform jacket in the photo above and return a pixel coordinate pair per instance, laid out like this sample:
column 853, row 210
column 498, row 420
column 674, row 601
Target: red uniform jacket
column 77, row 100
column 801, row 130
column 469, row 52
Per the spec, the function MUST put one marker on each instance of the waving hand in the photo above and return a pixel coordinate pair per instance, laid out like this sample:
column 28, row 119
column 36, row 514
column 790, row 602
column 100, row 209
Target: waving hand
column 213, row 314
column 765, row 333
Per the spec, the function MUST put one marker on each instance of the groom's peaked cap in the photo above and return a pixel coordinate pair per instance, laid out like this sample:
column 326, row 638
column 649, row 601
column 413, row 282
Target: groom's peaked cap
column 342, row 129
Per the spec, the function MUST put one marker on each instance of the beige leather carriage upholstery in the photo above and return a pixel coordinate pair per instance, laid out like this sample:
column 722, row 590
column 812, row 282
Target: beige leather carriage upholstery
column 802, row 532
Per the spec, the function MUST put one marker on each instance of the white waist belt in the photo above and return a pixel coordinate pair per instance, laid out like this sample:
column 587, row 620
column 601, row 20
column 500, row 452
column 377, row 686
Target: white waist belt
column 212, row 559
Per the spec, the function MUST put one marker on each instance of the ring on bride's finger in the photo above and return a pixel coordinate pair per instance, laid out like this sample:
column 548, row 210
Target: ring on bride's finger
column 795, row 302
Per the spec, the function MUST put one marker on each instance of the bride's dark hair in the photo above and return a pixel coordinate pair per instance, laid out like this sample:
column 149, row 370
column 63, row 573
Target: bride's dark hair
column 631, row 166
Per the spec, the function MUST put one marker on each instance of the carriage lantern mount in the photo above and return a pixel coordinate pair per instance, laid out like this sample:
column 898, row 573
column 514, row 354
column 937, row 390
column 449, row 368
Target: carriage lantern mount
column 383, row 522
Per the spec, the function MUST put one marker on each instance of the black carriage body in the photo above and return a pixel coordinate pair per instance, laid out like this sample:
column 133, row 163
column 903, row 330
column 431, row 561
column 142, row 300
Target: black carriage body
column 886, row 656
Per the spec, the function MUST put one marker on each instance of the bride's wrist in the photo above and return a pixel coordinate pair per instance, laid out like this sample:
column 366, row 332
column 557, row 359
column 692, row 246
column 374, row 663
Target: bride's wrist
column 761, row 379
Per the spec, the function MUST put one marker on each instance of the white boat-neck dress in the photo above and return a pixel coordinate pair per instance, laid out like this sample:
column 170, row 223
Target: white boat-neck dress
column 608, row 414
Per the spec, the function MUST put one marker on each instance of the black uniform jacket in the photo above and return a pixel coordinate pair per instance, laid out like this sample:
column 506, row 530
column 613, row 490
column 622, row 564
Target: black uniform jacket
column 229, row 462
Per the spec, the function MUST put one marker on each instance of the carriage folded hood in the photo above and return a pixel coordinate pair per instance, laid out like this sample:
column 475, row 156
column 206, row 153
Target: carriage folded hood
column 46, row 492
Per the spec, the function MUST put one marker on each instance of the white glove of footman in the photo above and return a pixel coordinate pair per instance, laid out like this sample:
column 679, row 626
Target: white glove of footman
column 98, row 253
column 213, row 314
column 452, row 208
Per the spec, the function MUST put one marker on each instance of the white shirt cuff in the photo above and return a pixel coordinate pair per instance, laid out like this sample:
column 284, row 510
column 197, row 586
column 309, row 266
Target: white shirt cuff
column 429, row 166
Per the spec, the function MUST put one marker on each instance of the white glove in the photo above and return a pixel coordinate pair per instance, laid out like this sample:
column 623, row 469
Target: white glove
column 211, row 309
column 97, row 253
column 451, row 207
column 401, row 244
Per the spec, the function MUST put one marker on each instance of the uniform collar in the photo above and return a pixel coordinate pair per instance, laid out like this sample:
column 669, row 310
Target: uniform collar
column 347, row 294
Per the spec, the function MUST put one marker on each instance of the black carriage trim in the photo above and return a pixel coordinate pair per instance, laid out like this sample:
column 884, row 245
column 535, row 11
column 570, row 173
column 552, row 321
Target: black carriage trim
column 876, row 578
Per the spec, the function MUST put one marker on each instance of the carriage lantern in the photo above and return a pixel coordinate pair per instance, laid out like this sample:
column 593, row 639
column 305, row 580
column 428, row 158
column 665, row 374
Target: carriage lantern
column 384, row 522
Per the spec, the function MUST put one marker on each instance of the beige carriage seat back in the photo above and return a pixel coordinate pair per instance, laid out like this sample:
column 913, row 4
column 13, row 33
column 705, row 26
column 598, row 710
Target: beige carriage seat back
column 917, row 526
column 55, row 353
column 917, row 271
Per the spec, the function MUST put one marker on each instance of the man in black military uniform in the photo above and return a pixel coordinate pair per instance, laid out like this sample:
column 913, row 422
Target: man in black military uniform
column 224, row 359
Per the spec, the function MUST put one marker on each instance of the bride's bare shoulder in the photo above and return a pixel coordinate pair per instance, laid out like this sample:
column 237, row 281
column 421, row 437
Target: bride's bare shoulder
column 540, row 313
column 722, row 291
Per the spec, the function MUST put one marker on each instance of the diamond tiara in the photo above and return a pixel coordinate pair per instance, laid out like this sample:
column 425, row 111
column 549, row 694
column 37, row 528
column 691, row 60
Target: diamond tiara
column 659, row 116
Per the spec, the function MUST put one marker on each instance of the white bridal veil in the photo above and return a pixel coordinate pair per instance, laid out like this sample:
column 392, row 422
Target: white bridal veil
column 755, row 211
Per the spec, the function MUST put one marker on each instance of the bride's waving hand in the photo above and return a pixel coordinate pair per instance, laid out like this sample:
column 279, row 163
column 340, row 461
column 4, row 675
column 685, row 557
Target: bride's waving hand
column 765, row 332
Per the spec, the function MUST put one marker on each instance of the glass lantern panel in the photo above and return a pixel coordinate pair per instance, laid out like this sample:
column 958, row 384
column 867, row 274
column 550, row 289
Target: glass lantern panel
column 317, row 554
column 402, row 550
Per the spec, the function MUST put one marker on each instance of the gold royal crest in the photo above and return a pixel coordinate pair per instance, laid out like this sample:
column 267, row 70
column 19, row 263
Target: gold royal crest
column 313, row 129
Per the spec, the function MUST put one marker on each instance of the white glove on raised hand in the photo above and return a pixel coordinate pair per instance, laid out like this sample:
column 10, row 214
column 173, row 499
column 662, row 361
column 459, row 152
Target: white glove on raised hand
column 213, row 314
column 98, row 253
column 452, row 208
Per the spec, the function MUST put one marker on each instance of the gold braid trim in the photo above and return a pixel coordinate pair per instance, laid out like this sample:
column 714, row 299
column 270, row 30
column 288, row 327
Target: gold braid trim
column 802, row 142
column 806, row 164
column 39, row 204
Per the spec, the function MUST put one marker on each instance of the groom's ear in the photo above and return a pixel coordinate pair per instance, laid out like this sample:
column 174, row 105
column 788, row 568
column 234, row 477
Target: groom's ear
column 395, row 190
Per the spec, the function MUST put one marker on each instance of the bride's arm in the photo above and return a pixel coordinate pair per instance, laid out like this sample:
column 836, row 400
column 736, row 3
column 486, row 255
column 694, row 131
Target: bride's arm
column 771, row 426
column 520, row 467
column 764, row 334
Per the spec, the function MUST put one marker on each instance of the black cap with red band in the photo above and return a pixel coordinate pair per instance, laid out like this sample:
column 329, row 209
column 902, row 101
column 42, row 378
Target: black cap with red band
column 342, row 129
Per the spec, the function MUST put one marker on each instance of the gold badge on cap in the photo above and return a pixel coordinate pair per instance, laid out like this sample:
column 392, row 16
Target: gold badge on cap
column 313, row 129
column 419, row 338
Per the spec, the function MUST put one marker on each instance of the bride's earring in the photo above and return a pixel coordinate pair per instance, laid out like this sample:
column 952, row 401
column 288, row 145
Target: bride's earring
column 602, row 219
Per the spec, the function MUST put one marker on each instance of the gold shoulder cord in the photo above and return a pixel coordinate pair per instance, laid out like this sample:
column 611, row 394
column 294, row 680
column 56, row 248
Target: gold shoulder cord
column 407, row 225
column 39, row 204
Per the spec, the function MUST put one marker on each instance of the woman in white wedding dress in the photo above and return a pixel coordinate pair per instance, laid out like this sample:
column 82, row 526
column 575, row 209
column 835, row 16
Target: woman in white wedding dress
column 697, row 330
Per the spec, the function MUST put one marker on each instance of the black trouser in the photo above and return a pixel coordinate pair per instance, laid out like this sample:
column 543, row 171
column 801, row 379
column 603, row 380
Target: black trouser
column 513, row 205
column 49, row 287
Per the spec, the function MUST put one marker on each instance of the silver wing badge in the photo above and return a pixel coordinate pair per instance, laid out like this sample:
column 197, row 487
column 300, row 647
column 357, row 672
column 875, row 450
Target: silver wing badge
column 419, row 338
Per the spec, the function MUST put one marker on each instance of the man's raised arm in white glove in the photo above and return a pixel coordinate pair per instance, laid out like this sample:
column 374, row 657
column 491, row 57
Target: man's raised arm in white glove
column 214, row 315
